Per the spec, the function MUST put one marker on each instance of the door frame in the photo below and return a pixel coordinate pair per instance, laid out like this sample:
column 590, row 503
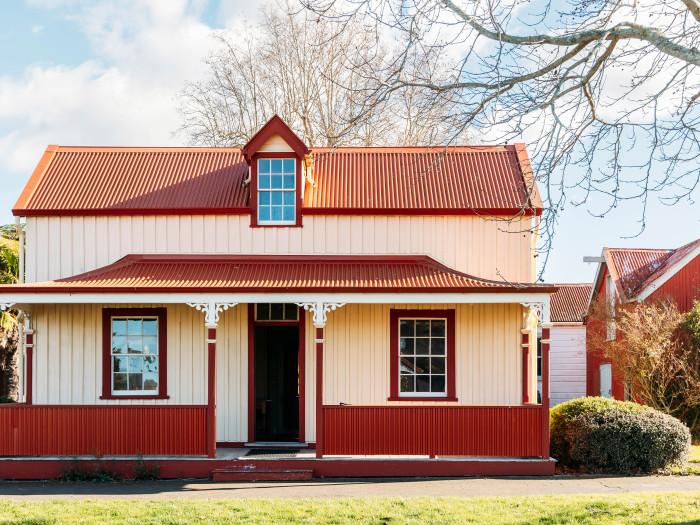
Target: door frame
column 252, row 323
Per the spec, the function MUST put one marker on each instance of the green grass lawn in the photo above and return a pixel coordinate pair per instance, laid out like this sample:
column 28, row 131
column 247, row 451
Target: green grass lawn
column 649, row 508
column 693, row 464
column 695, row 454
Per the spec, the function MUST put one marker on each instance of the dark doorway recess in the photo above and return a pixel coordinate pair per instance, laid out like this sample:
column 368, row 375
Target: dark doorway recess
column 276, row 383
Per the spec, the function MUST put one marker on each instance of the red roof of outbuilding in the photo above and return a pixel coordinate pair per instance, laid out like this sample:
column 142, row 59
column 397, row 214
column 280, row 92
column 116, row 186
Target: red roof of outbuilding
column 128, row 181
column 251, row 273
column 569, row 303
column 631, row 267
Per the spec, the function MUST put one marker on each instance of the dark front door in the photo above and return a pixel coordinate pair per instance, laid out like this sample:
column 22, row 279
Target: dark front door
column 277, row 383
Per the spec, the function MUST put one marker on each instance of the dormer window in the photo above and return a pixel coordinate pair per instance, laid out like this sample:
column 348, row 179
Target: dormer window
column 276, row 191
column 275, row 156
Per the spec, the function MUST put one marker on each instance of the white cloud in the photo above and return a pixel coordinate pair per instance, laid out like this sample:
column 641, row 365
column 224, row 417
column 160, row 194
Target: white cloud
column 126, row 95
column 37, row 29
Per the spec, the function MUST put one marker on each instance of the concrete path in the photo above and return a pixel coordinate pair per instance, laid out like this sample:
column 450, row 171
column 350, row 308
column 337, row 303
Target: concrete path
column 349, row 487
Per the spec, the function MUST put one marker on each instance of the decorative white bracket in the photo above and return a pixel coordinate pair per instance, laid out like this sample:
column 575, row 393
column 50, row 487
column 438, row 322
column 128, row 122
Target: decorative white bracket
column 320, row 311
column 540, row 309
column 6, row 306
column 211, row 310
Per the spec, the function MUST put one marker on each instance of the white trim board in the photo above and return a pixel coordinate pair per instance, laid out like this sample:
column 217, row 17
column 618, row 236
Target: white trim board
column 359, row 298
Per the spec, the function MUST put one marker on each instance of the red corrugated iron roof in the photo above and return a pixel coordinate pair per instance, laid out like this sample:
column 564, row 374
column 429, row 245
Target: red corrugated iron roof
column 669, row 265
column 237, row 273
column 469, row 179
column 630, row 268
column 635, row 270
column 488, row 178
column 569, row 303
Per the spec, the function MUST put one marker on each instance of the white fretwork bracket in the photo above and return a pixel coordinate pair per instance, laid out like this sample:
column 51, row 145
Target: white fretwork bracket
column 320, row 311
column 540, row 309
column 6, row 306
column 211, row 310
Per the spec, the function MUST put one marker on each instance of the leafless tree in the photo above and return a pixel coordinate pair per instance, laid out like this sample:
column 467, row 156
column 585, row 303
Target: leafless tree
column 288, row 65
column 605, row 92
column 660, row 363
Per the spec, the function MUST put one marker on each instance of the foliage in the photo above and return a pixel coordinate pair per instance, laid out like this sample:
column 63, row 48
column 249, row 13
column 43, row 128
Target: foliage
column 288, row 65
column 691, row 326
column 657, row 352
column 102, row 472
column 691, row 467
column 143, row 471
column 623, row 443
column 651, row 508
column 560, row 418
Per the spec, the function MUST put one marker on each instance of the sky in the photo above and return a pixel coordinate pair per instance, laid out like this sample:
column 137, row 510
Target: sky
column 107, row 73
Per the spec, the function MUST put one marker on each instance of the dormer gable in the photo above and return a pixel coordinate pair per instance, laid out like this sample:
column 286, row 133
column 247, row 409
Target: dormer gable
column 274, row 136
column 275, row 155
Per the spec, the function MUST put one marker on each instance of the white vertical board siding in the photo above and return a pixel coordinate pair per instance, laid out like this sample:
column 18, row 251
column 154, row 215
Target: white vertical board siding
column 68, row 359
column 567, row 363
column 487, row 354
column 68, row 356
column 491, row 249
column 232, row 374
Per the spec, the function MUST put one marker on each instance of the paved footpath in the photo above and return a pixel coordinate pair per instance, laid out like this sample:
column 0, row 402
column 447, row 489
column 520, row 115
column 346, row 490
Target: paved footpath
column 348, row 487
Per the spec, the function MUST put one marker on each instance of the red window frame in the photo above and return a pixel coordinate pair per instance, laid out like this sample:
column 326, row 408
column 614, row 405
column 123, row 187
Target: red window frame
column 254, row 188
column 161, row 314
column 394, row 316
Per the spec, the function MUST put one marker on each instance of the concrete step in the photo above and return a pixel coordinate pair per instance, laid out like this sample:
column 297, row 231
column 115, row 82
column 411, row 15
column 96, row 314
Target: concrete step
column 261, row 474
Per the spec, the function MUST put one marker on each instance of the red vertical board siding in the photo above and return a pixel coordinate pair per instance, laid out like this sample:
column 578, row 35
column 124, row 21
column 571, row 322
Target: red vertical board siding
column 683, row 287
column 514, row 431
column 47, row 430
column 595, row 359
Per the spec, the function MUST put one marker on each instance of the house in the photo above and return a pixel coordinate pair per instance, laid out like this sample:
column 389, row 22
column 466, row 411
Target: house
column 567, row 350
column 627, row 275
column 365, row 311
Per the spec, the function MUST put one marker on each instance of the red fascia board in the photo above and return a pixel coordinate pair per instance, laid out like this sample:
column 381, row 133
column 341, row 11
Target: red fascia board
column 38, row 173
column 274, row 126
column 499, row 212
column 24, row 289
column 127, row 211
column 488, row 212
column 528, row 175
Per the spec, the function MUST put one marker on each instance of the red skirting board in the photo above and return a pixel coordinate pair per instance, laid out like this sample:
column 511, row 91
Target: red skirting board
column 50, row 430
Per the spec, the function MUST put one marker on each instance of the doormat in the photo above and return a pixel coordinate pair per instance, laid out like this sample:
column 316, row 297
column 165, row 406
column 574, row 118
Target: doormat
column 272, row 452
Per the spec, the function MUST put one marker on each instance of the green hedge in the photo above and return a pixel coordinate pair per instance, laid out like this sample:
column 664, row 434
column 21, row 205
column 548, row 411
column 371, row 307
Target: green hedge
column 624, row 442
column 561, row 415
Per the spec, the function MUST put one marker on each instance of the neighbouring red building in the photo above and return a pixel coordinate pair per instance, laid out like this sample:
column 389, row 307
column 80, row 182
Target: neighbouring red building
column 637, row 275
column 368, row 311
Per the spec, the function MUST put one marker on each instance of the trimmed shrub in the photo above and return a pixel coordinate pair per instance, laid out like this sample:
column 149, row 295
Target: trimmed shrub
column 561, row 415
column 623, row 442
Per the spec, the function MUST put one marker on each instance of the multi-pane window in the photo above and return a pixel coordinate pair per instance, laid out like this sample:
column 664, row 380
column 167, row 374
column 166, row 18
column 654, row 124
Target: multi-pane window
column 276, row 312
column 276, row 191
column 134, row 355
column 422, row 357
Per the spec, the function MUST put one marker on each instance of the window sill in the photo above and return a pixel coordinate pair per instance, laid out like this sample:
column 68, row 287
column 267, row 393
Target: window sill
column 276, row 225
column 159, row 396
column 442, row 399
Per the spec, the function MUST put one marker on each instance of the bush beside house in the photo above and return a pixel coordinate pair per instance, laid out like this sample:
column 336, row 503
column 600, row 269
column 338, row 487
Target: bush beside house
column 627, row 442
column 561, row 416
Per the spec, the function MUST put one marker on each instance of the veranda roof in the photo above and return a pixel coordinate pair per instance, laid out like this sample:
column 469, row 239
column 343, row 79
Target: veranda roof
column 273, row 273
